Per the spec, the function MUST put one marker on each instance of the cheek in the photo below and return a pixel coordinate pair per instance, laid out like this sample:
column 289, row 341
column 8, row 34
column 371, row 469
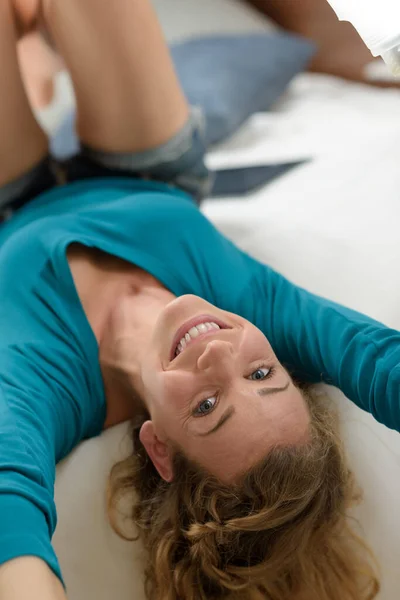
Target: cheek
column 170, row 399
column 292, row 418
column 255, row 346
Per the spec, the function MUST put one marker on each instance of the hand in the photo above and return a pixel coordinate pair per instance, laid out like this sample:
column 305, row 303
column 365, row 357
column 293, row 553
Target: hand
column 29, row 577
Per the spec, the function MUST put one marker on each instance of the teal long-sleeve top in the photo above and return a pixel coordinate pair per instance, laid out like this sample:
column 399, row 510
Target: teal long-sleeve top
column 51, row 390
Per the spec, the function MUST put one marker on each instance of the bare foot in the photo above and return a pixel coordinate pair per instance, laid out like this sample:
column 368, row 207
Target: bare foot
column 341, row 51
column 39, row 64
column 26, row 14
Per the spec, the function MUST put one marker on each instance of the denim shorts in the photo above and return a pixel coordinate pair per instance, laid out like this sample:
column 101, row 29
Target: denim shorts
column 179, row 162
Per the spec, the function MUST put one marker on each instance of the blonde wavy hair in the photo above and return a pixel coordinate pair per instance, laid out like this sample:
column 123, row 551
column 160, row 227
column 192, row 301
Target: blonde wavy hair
column 280, row 533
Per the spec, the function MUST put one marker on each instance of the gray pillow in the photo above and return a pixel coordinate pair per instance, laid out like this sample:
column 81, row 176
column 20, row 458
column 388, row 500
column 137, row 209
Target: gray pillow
column 233, row 76
column 230, row 77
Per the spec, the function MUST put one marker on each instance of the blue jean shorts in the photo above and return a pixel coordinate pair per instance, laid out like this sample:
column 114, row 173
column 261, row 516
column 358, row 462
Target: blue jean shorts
column 179, row 162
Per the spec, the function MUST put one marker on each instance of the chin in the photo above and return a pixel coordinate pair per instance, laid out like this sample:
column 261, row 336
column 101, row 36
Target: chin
column 188, row 305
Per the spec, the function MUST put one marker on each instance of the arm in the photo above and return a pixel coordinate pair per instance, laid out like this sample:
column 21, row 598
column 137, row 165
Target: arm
column 315, row 339
column 27, row 509
column 29, row 577
column 319, row 340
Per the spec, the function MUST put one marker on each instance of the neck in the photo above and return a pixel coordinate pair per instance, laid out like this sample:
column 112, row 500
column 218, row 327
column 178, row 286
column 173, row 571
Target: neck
column 122, row 304
column 123, row 402
column 123, row 345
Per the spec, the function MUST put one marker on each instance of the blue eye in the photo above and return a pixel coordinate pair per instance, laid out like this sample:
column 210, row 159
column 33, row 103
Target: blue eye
column 205, row 407
column 260, row 374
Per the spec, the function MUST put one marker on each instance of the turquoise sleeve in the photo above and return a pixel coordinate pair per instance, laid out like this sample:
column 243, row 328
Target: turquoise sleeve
column 319, row 340
column 27, row 509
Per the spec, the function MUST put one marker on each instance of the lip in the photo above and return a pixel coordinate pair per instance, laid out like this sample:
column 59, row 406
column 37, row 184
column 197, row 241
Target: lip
column 193, row 323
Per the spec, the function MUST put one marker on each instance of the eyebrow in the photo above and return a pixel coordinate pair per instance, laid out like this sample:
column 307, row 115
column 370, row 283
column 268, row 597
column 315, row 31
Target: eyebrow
column 266, row 391
column 230, row 411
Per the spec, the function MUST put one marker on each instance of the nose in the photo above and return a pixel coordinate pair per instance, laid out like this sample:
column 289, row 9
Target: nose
column 216, row 354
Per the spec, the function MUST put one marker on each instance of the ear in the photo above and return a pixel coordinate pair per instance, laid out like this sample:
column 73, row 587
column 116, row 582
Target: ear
column 158, row 451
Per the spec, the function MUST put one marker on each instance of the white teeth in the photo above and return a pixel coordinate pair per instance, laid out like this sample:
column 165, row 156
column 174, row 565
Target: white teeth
column 193, row 333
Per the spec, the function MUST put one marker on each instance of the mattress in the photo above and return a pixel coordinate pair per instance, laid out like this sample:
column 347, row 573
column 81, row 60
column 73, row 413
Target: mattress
column 332, row 226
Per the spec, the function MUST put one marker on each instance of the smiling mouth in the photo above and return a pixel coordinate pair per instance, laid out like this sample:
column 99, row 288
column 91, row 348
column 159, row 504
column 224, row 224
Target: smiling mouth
column 194, row 330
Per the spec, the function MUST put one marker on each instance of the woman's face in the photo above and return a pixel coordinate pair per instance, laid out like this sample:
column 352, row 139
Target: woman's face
column 215, row 389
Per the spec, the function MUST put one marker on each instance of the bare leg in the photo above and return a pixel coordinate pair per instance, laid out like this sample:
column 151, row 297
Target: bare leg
column 128, row 96
column 341, row 51
column 22, row 142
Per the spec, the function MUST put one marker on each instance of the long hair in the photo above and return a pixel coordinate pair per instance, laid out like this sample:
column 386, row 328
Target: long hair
column 280, row 533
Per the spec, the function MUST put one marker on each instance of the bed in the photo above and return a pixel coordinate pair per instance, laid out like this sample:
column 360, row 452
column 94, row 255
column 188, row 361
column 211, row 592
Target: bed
column 331, row 226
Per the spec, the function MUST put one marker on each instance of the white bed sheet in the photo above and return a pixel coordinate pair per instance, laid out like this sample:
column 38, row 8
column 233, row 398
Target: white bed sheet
column 331, row 226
